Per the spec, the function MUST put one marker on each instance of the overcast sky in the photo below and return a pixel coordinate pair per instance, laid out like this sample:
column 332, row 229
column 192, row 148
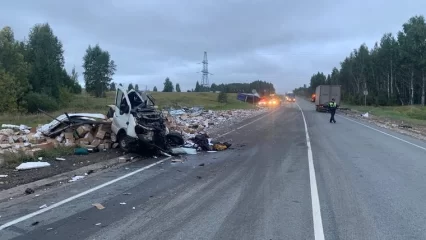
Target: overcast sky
column 280, row 41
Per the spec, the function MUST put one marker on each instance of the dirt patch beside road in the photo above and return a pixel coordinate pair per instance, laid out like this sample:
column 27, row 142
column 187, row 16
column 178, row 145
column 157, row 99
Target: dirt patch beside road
column 413, row 130
column 72, row 162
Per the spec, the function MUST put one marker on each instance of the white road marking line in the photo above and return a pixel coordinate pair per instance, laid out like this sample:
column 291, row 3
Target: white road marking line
column 316, row 209
column 387, row 134
column 28, row 216
column 245, row 125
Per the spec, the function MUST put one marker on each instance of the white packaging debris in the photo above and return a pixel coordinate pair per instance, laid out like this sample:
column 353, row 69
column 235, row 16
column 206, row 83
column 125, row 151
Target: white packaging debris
column 32, row 165
column 60, row 159
column 183, row 150
column 76, row 178
column 3, row 176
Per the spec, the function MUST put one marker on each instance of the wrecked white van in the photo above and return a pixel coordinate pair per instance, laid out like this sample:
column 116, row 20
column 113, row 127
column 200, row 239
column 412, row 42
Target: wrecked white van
column 139, row 124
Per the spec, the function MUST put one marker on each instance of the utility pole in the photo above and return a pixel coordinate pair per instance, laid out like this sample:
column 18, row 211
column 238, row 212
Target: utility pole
column 205, row 72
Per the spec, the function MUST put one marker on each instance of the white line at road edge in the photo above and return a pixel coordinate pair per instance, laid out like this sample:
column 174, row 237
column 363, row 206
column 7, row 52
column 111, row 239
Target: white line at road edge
column 23, row 218
column 316, row 209
column 387, row 134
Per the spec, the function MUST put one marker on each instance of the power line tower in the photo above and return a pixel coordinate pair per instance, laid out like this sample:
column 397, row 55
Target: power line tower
column 205, row 71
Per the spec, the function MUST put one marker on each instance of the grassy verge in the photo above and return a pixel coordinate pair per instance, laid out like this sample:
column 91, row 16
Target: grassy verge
column 12, row 160
column 87, row 103
column 408, row 114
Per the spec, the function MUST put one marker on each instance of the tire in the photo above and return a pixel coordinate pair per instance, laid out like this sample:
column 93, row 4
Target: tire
column 123, row 142
column 175, row 139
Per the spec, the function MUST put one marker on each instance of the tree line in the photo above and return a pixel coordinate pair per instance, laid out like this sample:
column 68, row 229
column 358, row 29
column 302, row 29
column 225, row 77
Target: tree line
column 33, row 76
column 393, row 72
column 261, row 87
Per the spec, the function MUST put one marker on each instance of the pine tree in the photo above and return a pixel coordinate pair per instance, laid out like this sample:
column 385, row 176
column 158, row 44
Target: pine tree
column 98, row 70
column 168, row 85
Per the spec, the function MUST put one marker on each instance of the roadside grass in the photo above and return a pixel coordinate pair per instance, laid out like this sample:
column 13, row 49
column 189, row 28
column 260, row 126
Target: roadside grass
column 86, row 103
column 408, row 114
column 206, row 99
column 11, row 160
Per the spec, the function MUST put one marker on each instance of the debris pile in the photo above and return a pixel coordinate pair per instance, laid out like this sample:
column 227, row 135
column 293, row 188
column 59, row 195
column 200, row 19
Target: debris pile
column 84, row 130
column 191, row 121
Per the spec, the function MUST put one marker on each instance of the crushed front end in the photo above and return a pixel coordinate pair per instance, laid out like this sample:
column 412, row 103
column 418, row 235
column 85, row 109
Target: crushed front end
column 150, row 127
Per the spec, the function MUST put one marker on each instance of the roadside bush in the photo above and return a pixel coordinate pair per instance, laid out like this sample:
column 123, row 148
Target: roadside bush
column 65, row 96
column 416, row 113
column 34, row 101
column 222, row 97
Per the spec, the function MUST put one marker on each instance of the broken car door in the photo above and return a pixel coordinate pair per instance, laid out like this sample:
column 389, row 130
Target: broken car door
column 122, row 116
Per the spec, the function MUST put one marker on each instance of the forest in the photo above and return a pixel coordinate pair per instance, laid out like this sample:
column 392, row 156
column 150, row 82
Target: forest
column 393, row 71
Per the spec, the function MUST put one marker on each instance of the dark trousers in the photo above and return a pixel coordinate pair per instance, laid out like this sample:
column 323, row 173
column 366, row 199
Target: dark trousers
column 332, row 116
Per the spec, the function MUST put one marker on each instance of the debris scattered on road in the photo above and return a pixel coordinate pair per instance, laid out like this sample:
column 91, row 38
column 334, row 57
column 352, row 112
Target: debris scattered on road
column 183, row 150
column 35, row 223
column 133, row 208
column 37, row 195
column 29, row 191
column 32, row 165
column 43, row 206
column 76, row 178
column 122, row 203
column 177, row 160
column 49, row 229
column 201, row 165
column 3, row 176
column 98, row 224
column 366, row 115
column 90, row 172
column 211, row 151
column 98, row 206
column 81, row 129
column 127, row 193
column 199, row 177
column 195, row 120
column 60, row 159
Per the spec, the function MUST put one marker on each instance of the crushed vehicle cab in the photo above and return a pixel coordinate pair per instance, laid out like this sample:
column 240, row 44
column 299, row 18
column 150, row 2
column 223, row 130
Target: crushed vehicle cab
column 137, row 122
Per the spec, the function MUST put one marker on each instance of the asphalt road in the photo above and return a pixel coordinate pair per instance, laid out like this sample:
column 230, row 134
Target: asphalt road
column 370, row 186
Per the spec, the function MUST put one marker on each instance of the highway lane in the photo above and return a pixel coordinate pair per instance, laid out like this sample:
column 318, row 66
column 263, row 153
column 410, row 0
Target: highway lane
column 258, row 190
column 370, row 185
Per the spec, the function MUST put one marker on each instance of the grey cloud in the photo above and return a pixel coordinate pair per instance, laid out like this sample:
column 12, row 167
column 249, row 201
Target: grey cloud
column 280, row 41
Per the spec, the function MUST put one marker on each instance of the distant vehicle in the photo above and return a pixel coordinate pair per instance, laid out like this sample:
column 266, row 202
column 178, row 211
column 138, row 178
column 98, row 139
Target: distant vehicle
column 313, row 97
column 268, row 102
column 324, row 94
column 290, row 97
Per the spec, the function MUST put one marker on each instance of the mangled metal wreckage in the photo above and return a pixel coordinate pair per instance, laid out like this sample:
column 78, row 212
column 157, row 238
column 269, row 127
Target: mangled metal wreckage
column 138, row 123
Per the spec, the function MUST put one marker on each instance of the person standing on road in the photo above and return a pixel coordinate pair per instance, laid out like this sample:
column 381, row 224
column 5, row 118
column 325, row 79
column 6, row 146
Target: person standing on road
column 332, row 106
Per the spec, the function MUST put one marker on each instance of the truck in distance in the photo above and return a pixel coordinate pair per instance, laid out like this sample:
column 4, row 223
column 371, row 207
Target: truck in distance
column 324, row 94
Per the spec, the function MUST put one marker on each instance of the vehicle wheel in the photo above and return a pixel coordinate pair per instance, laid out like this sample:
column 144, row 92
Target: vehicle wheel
column 175, row 139
column 123, row 142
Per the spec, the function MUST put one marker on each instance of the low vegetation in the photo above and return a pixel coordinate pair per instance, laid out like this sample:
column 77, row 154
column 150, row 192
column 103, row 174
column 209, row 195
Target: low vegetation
column 87, row 103
column 411, row 114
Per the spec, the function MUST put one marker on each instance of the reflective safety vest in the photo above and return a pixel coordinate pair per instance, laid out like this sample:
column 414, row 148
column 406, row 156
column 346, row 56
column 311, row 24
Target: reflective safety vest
column 332, row 104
